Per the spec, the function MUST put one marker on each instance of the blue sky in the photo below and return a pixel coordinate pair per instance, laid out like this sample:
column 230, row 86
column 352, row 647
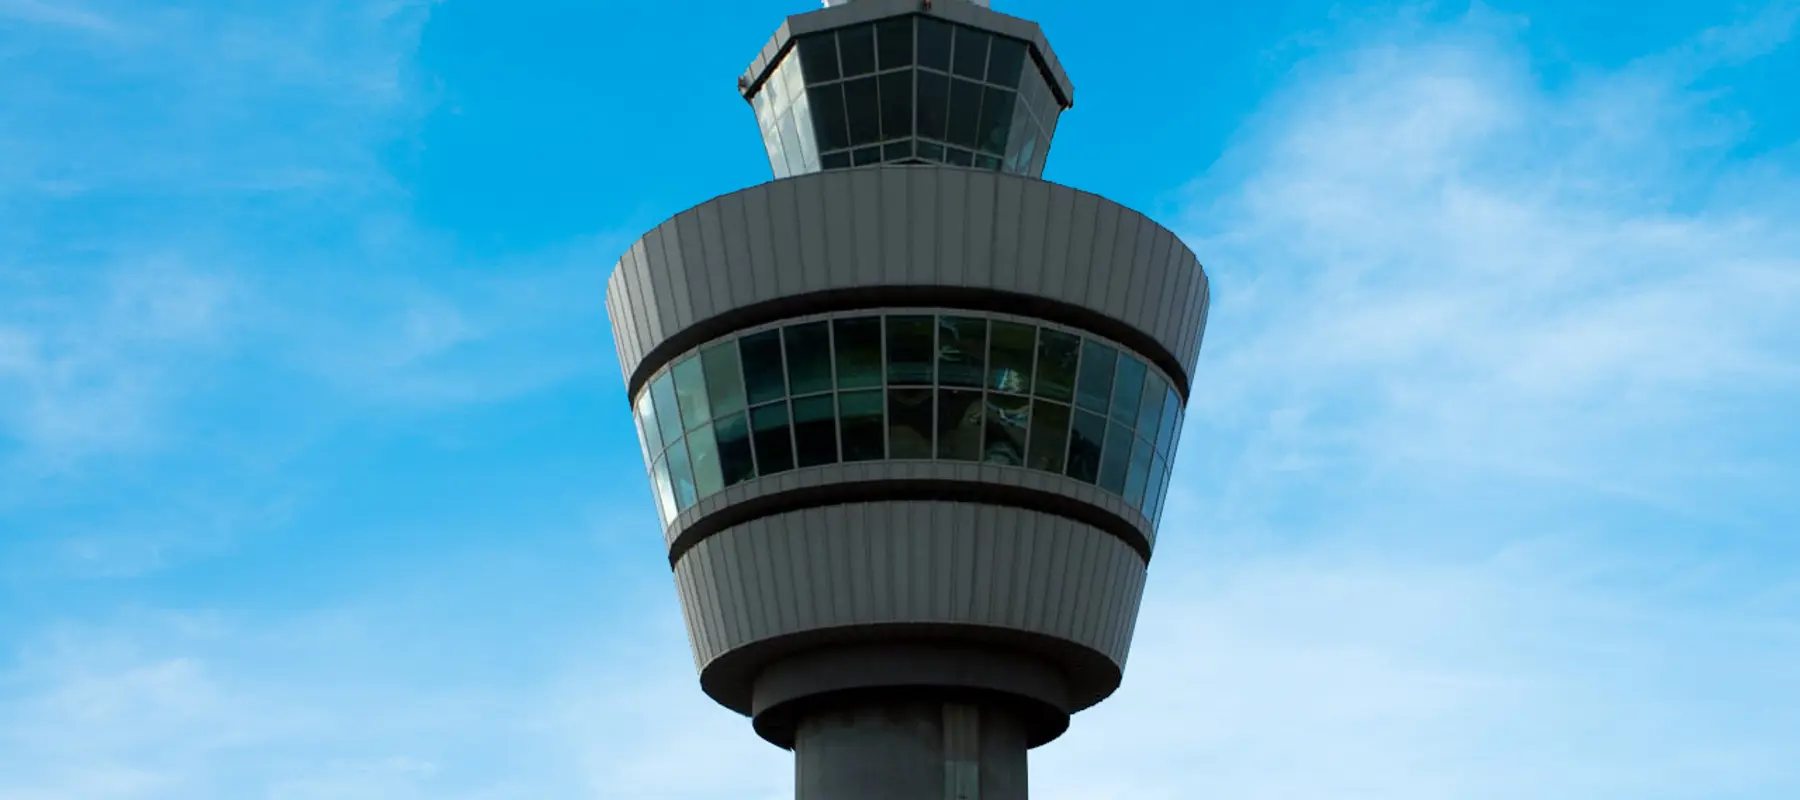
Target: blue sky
column 317, row 479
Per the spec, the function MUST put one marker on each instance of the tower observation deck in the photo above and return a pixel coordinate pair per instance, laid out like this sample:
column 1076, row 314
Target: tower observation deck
column 908, row 410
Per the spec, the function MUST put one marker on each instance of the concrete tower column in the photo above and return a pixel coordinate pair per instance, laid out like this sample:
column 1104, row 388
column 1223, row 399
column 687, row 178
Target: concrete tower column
column 918, row 749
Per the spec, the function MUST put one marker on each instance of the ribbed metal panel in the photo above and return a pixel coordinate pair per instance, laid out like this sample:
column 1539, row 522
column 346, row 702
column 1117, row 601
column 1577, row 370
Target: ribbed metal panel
column 907, row 226
column 910, row 562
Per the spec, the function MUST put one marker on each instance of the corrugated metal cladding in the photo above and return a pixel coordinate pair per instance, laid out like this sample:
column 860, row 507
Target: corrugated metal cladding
column 910, row 562
column 907, row 226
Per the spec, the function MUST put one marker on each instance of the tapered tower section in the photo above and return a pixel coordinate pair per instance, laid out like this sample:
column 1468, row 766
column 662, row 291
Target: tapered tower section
column 908, row 410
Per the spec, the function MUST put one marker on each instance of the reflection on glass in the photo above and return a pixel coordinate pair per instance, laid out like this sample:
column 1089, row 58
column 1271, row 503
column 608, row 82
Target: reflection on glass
column 971, row 53
column 1115, row 460
column 965, row 113
column 856, row 47
column 681, row 476
column 909, row 349
column 962, row 341
column 863, row 105
column 934, row 44
column 1009, row 357
column 1049, row 436
column 724, row 381
column 1095, row 387
column 934, row 104
column 668, row 413
column 861, row 426
column 896, row 105
column 909, row 423
column 1084, row 446
column 1057, row 353
column 690, row 393
column 1165, row 427
column 1138, row 473
column 1005, row 60
column 764, row 377
column 736, row 465
column 959, row 424
column 703, row 453
column 1150, row 408
column 996, row 114
column 1008, row 419
column 894, row 37
column 958, row 157
column 774, row 443
column 818, row 57
column 648, row 435
column 858, row 344
column 808, row 357
column 1153, row 494
column 829, row 123
column 815, row 431
column 1128, row 390
column 665, row 492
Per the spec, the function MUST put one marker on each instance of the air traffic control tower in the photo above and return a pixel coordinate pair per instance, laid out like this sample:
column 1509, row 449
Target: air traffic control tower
column 909, row 410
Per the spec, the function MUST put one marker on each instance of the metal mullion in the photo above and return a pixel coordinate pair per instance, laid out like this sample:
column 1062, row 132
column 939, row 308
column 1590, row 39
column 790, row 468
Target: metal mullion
column 749, row 418
column 1075, row 408
column 787, row 392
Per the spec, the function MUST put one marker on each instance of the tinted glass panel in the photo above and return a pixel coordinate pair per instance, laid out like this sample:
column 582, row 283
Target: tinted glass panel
column 1165, row 427
column 934, row 104
column 856, row 47
column 959, row 157
column 909, row 349
column 864, row 107
column 931, row 151
column 735, row 463
column 703, row 451
column 724, row 381
column 1057, row 354
column 668, row 412
column 1095, row 387
column 650, row 436
column 790, row 145
column 959, row 424
column 961, row 345
column 909, row 423
column 1137, row 475
column 818, row 56
column 866, row 156
column 858, row 344
column 1008, row 420
column 896, row 151
column 896, row 105
column 987, row 162
column 1009, row 357
column 1153, row 494
column 1128, row 391
column 965, row 113
column 1005, row 59
column 834, row 161
column 764, row 377
column 996, row 119
column 1049, row 436
column 971, row 53
column 1116, row 459
column 690, row 392
column 681, row 476
column 934, row 44
column 774, row 444
column 896, row 41
column 828, row 116
column 808, row 357
column 861, row 426
column 665, row 491
column 1150, row 408
column 1084, row 446
column 815, row 431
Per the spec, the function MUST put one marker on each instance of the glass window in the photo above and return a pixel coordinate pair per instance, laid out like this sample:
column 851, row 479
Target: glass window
column 934, row 44
column 1115, row 460
column 909, row 349
column 1150, row 409
column 931, row 151
column 996, row 119
column 1095, row 387
column 896, row 105
column 690, row 393
column 736, row 465
column 895, row 38
column 1084, row 446
column 681, row 476
column 959, row 424
column 897, row 151
column 962, row 342
column 934, row 104
column 790, row 145
column 703, row 452
column 829, row 123
column 864, row 107
column 1008, row 419
column 1128, row 391
column 818, row 56
column 1009, row 357
column 724, row 379
column 965, row 113
column 958, row 157
column 668, row 412
column 815, row 430
column 834, row 161
column 864, row 433
column 971, row 53
column 774, row 443
column 1049, row 436
column 987, row 162
column 1005, row 60
column 856, row 47
column 1137, row 473
column 909, row 423
column 808, row 357
column 1153, row 494
column 867, row 156
column 764, row 377
column 665, row 491
column 1165, row 428
column 1057, row 353
column 858, row 344
column 648, row 435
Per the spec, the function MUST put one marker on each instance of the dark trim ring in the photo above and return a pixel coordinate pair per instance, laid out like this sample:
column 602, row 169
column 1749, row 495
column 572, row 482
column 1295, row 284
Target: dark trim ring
column 870, row 297
column 831, row 494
